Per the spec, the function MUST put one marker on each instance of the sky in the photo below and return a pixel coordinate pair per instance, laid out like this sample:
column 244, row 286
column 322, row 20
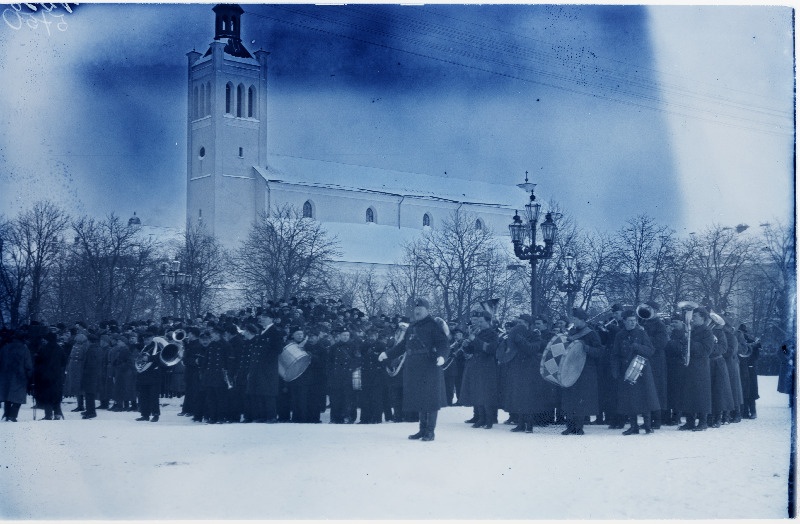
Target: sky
column 684, row 113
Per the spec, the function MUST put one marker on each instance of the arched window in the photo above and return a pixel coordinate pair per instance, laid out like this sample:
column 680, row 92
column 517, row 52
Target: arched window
column 251, row 100
column 426, row 220
column 239, row 100
column 195, row 105
column 201, row 102
column 370, row 215
column 228, row 98
column 308, row 210
column 479, row 224
column 208, row 99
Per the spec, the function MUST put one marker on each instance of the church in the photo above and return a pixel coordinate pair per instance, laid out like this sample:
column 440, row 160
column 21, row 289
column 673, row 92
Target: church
column 231, row 176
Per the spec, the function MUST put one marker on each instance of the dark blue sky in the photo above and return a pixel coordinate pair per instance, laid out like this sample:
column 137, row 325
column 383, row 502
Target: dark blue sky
column 614, row 110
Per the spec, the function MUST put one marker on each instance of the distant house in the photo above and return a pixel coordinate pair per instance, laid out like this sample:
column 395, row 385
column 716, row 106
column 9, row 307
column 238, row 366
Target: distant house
column 232, row 177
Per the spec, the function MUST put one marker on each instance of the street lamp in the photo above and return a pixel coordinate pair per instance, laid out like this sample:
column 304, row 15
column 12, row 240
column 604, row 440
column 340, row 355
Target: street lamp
column 173, row 282
column 574, row 279
column 523, row 236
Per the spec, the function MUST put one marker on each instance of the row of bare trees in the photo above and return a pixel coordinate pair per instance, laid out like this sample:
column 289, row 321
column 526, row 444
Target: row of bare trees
column 57, row 268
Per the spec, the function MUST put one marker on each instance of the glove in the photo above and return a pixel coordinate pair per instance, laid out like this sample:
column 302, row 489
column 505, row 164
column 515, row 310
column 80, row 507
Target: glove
column 440, row 361
column 382, row 357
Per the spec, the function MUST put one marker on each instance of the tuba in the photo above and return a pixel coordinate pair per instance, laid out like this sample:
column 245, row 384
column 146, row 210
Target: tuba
column 166, row 351
column 645, row 311
column 688, row 307
column 397, row 364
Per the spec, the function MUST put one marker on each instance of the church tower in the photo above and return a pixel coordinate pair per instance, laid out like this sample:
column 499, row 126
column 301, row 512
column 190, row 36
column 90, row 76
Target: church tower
column 226, row 131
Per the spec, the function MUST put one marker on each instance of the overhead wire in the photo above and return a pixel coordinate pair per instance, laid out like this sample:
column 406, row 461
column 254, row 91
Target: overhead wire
column 419, row 33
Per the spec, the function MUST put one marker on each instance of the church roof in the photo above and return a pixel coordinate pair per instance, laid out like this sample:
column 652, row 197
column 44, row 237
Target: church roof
column 320, row 173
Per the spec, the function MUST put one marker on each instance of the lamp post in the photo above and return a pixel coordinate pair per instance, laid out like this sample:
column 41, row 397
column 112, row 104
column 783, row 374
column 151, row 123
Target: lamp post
column 572, row 284
column 173, row 282
column 523, row 236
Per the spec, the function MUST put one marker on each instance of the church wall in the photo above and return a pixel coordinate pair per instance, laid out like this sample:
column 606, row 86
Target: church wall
column 336, row 205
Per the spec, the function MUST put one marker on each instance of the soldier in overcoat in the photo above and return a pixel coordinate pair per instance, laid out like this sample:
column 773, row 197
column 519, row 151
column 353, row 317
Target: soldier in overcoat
column 425, row 345
column 521, row 383
column 48, row 376
column 479, row 387
column 581, row 399
column 641, row 397
column 16, row 369
column 262, row 378
column 695, row 397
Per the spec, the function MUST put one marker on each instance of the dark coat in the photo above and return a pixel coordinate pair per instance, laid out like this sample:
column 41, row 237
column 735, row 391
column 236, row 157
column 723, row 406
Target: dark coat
column 423, row 380
column 16, row 368
column 72, row 380
column 747, row 366
column 657, row 332
column 695, row 394
column 676, row 371
column 343, row 359
column 525, row 391
column 479, row 386
column 581, row 399
column 732, row 361
column 122, row 358
column 92, row 369
column 214, row 370
column 721, row 394
column 641, row 397
column 265, row 350
column 48, row 373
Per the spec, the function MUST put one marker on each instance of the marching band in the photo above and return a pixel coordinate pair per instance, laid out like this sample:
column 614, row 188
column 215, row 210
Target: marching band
column 292, row 361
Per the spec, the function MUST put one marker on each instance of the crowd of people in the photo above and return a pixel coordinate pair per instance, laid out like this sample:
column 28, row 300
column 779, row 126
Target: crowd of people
column 368, row 370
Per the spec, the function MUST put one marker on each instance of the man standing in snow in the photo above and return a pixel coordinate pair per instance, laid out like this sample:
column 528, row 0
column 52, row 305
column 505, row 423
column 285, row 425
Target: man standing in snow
column 425, row 345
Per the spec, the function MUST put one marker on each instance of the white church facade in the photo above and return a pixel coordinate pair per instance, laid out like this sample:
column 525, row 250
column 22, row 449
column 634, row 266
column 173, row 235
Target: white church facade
column 232, row 177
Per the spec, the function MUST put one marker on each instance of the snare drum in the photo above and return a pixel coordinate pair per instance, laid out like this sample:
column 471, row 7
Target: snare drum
column 635, row 369
column 562, row 362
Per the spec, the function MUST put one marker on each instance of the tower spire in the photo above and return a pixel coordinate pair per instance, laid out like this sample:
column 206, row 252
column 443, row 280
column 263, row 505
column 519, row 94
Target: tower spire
column 228, row 26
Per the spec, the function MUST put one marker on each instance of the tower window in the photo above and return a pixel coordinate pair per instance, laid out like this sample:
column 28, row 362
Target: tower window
column 426, row 220
column 239, row 100
column 195, row 110
column 370, row 215
column 202, row 152
column 241, row 152
column 200, row 103
column 479, row 224
column 308, row 211
column 207, row 101
column 228, row 98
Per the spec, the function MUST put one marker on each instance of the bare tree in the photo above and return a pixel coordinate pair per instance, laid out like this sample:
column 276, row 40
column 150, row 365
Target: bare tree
column 14, row 274
column 38, row 232
column 639, row 254
column 117, row 273
column 718, row 264
column 453, row 257
column 285, row 255
column 203, row 257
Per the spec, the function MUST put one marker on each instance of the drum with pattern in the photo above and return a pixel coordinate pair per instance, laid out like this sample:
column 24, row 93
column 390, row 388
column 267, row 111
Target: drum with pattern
column 562, row 362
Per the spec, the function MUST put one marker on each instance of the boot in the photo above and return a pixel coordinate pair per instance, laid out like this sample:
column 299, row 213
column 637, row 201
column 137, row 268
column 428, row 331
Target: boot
column 529, row 427
column 702, row 426
column 154, row 419
column 689, row 424
column 419, row 434
column 519, row 428
column 633, row 430
column 474, row 418
column 648, row 424
column 430, row 426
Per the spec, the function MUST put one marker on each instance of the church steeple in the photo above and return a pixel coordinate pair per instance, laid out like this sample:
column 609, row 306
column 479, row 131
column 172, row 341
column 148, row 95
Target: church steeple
column 228, row 25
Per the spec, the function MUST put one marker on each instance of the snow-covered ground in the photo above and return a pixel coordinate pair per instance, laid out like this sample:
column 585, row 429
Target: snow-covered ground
column 113, row 467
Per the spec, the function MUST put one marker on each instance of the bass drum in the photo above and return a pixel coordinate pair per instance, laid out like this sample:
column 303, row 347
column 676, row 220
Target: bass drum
column 562, row 362
column 293, row 362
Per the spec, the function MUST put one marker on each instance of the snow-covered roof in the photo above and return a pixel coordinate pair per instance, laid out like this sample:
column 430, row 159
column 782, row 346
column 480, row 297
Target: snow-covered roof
column 320, row 173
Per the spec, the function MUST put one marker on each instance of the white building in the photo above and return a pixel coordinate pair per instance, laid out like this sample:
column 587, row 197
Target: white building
column 231, row 176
